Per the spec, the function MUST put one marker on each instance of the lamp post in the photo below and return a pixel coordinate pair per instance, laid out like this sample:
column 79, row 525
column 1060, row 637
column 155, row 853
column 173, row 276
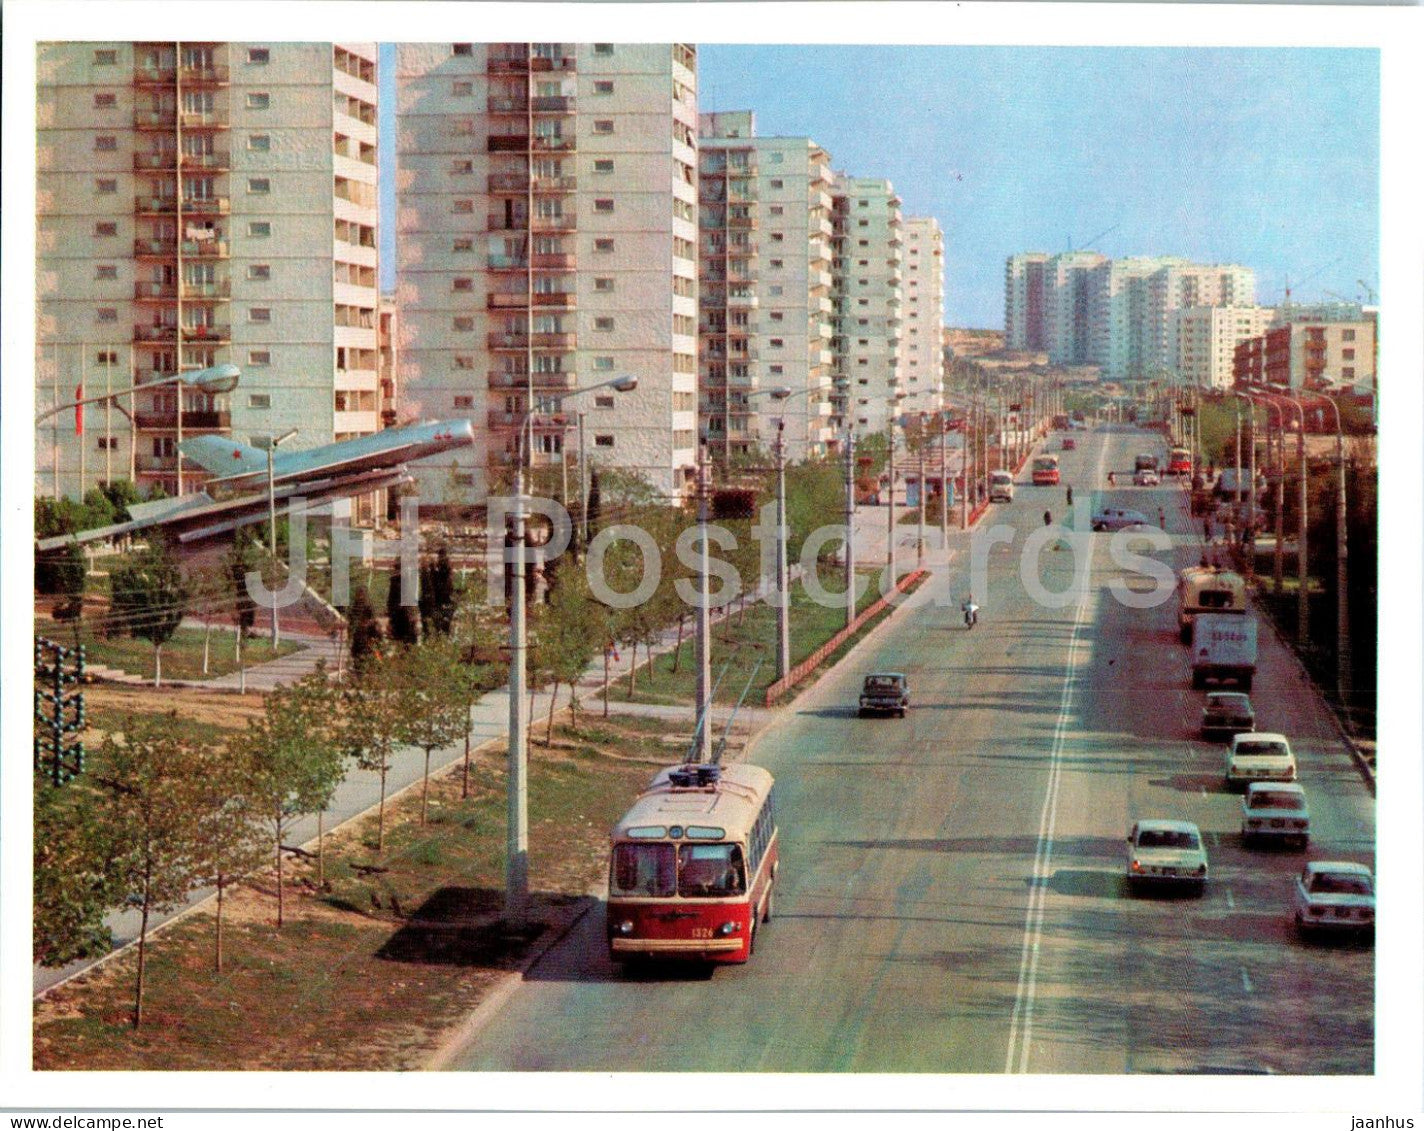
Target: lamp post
column 1343, row 658
column 516, row 874
column 215, row 380
column 849, row 523
column 272, row 444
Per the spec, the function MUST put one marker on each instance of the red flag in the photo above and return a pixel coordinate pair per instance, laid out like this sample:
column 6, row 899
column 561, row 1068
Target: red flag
column 79, row 412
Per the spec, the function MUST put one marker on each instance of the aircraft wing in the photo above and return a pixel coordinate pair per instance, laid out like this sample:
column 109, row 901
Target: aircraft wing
column 223, row 456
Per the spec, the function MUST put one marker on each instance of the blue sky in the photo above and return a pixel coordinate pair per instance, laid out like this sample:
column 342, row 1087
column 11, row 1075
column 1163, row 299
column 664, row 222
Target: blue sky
column 1267, row 157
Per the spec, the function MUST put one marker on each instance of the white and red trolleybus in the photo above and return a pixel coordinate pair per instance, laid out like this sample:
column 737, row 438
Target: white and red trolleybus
column 1045, row 471
column 693, row 866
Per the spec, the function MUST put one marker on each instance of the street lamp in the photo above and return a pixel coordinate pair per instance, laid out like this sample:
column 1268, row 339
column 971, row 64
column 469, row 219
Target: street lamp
column 214, row 380
column 272, row 445
column 1342, row 572
column 516, row 878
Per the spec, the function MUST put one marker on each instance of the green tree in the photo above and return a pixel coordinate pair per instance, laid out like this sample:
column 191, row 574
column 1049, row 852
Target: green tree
column 147, row 599
column 74, row 886
column 477, row 631
column 296, row 756
column 369, row 724
column 364, row 629
column 61, row 572
column 241, row 559
column 231, row 839
column 432, row 709
column 153, row 821
column 437, row 594
column 403, row 619
column 121, row 494
column 568, row 638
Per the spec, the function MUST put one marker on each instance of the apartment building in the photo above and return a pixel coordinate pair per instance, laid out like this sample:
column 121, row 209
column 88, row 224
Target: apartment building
column 1067, row 334
column 201, row 203
column 921, row 347
column 1025, row 301
column 1181, row 285
column 868, row 288
column 547, row 220
column 1204, row 340
column 1315, row 353
column 765, row 300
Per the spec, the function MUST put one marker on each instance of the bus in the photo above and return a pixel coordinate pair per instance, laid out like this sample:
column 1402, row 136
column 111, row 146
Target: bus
column 1045, row 471
column 1206, row 589
column 1179, row 462
column 693, row 864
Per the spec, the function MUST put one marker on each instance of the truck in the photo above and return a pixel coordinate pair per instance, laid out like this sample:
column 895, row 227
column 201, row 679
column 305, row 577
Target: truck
column 1145, row 462
column 1223, row 649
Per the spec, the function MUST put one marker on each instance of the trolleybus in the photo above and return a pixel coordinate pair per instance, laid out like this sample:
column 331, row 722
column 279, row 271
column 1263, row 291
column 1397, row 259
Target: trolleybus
column 1045, row 471
column 693, row 866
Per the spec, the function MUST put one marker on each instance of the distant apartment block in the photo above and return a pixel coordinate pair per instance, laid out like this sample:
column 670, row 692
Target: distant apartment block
column 1310, row 354
column 1117, row 314
column 201, row 203
column 868, row 275
column 1204, row 340
column 765, row 265
column 547, row 223
column 921, row 349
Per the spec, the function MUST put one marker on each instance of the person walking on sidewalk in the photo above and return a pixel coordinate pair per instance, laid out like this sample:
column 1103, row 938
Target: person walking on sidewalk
column 1162, row 518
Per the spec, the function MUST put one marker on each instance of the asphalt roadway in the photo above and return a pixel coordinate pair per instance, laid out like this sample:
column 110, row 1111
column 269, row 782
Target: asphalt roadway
column 951, row 895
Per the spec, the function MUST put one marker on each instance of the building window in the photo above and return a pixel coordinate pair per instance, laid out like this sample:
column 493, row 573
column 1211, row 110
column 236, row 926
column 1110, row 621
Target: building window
column 603, row 86
column 464, row 325
column 259, row 400
column 105, row 101
column 604, row 206
column 603, row 49
column 462, row 89
column 777, row 343
column 777, row 237
column 603, row 165
column 259, row 229
column 258, row 186
column 106, row 271
column 464, row 243
column 777, row 210
column 603, row 125
column 777, row 316
column 603, row 364
column 603, row 441
column 1347, row 373
column 464, row 361
column 603, row 323
column 108, row 314
column 603, row 285
column 462, row 49
column 259, row 270
column 106, row 185
column 106, row 228
column 459, row 167
column 259, row 143
column 778, row 263
column 463, row 285
column 258, row 100
column 108, row 443
column 463, row 206
column 259, row 357
column 105, row 143
column 1347, row 335
column 1349, row 355
column 464, row 401
column 777, row 182
column 603, row 245
column 104, row 58
column 259, row 314
column 602, row 401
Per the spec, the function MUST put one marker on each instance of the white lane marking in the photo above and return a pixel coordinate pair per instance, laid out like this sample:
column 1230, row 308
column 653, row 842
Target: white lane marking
column 1230, row 900
column 1043, row 853
column 1203, row 792
column 1246, row 981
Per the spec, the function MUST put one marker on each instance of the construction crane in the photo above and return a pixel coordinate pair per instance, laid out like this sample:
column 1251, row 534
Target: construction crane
column 1301, row 282
column 1094, row 240
column 1369, row 290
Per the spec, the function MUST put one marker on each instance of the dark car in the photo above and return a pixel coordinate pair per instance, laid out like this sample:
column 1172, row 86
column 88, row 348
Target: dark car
column 885, row 693
column 1228, row 713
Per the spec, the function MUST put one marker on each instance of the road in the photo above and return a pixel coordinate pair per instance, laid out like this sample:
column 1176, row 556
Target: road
column 951, row 894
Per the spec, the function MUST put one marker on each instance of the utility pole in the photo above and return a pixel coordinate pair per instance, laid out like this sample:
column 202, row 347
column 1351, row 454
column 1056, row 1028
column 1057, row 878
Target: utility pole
column 890, row 513
column 583, row 485
column 1277, row 566
column 783, row 586
column 850, row 524
column 1302, row 609
column 703, row 744
column 944, row 479
column 516, row 888
column 920, row 540
column 964, row 467
column 272, row 445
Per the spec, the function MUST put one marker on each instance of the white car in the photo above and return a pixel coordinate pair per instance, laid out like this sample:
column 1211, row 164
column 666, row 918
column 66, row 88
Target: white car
column 1334, row 895
column 1147, row 478
column 1259, row 756
column 1166, row 852
column 1275, row 811
column 1117, row 518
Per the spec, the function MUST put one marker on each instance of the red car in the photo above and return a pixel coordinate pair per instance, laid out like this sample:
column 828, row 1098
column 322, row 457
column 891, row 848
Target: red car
column 1070, row 444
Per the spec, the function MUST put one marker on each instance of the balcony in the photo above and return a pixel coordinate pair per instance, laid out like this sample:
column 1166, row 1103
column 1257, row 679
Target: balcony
column 555, row 184
column 206, row 249
column 207, row 205
column 148, row 291
column 145, row 462
column 742, row 300
column 744, row 223
column 508, row 143
column 552, row 382
column 555, row 104
column 211, row 333
column 155, row 119
column 163, row 161
column 556, row 63
column 155, row 205
column 162, row 249
column 500, row 340
column 215, row 160
column 194, row 419
column 539, row 422
column 164, row 335
column 155, row 76
column 212, row 73
column 215, row 289
column 203, row 120
column 519, row 300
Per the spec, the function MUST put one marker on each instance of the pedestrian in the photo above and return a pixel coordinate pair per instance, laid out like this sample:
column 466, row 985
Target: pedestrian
column 1047, row 518
column 1206, row 529
column 1162, row 518
column 1112, row 479
column 1070, row 496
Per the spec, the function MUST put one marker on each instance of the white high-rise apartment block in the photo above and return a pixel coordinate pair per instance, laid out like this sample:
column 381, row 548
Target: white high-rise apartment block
column 1067, row 311
column 1025, row 312
column 766, row 312
column 547, row 240
column 201, row 203
column 921, row 350
column 1204, row 340
column 869, row 280
column 1179, row 285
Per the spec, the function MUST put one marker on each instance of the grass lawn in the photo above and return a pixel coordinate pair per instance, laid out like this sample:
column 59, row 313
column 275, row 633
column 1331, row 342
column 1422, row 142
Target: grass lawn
column 371, row 966
column 738, row 643
column 182, row 655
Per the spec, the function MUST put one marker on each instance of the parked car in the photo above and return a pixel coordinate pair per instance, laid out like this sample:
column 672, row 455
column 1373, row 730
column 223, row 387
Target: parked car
column 1147, row 477
column 1117, row 518
column 885, row 693
column 1167, row 853
column 1227, row 712
column 1070, row 444
column 1333, row 895
column 1275, row 811
column 1259, row 756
